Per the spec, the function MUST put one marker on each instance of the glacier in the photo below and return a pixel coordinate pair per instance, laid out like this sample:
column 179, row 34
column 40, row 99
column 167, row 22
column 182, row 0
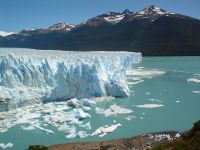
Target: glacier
column 29, row 76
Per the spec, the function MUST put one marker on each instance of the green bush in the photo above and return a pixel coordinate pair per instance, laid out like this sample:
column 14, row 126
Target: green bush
column 37, row 147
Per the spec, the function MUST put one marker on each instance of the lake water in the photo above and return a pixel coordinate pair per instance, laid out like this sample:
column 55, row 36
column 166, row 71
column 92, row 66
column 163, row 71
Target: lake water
column 157, row 80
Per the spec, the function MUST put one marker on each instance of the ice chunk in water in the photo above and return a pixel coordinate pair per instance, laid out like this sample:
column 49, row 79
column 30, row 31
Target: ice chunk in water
column 4, row 146
column 196, row 92
column 82, row 134
column 80, row 114
column 193, row 80
column 28, row 128
column 113, row 110
column 106, row 129
column 149, row 105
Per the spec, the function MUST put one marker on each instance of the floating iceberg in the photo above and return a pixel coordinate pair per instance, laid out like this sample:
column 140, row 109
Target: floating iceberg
column 155, row 100
column 82, row 134
column 43, row 129
column 114, row 110
column 149, row 106
column 193, row 80
column 80, row 114
column 28, row 128
column 105, row 129
column 196, row 92
column 136, row 76
column 130, row 118
column 64, row 118
column 4, row 146
column 141, row 73
column 30, row 76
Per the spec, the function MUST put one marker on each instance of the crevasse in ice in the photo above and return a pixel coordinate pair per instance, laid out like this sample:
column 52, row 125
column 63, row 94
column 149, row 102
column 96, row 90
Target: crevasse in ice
column 29, row 76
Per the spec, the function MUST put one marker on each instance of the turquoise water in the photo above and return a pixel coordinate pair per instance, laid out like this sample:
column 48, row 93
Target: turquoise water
column 168, row 88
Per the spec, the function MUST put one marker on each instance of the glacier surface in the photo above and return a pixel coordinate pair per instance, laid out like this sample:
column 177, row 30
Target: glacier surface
column 30, row 76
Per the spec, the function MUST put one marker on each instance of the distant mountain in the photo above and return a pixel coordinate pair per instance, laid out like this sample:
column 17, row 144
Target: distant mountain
column 152, row 31
column 3, row 33
column 63, row 27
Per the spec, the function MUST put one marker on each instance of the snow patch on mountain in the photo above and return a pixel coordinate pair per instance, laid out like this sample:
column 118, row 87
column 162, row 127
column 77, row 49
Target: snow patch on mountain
column 159, row 11
column 33, row 29
column 2, row 33
column 61, row 26
column 115, row 19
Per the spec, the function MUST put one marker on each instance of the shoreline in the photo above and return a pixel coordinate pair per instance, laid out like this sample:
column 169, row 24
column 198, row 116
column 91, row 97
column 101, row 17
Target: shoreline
column 144, row 141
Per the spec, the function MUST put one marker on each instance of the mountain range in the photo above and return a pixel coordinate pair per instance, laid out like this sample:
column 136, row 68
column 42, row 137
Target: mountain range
column 152, row 31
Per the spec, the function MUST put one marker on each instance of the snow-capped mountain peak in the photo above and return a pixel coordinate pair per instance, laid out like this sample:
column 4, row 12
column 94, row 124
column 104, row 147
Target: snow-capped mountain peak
column 152, row 10
column 61, row 26
column 3, row 33
column 55, row 27
column 110, row 17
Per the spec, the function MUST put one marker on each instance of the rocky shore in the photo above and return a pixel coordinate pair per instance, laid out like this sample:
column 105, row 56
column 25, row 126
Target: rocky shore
column 140, row 142
column 169, row 140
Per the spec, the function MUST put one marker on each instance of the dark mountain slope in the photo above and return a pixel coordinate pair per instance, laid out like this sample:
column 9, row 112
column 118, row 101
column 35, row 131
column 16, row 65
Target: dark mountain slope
column 172, row 36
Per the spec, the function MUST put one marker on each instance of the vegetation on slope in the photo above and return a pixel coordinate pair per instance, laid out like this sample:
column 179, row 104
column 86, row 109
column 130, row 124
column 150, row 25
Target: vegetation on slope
column 37, row 147
column 189, row 141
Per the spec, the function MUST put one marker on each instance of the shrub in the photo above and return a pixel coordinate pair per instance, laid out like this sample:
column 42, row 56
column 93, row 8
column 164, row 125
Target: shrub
column 37, row 147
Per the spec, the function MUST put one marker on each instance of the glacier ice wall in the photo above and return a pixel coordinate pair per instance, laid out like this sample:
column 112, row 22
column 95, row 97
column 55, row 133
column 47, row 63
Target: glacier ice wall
column 29, row 76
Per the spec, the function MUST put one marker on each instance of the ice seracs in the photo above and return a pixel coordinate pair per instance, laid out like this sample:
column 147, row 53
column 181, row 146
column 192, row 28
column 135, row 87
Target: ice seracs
column 31, row 76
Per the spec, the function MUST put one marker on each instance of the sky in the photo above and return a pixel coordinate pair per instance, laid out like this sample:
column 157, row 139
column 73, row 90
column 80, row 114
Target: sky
column 16, row 15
